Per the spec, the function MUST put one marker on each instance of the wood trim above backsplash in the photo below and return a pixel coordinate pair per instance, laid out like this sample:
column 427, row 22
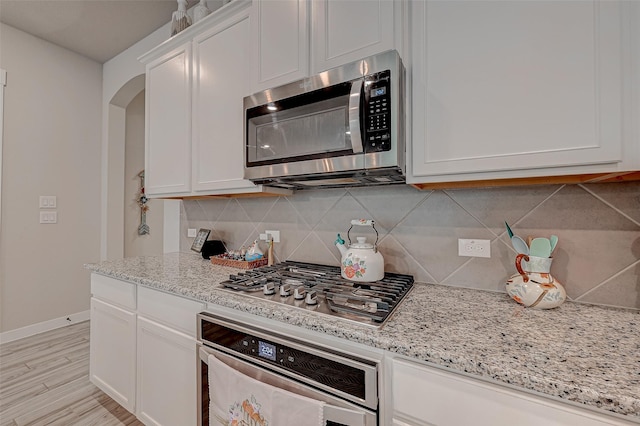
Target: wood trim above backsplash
column 541, row 180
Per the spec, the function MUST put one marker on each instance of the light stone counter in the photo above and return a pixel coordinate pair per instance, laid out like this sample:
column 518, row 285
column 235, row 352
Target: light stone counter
column 581, row 353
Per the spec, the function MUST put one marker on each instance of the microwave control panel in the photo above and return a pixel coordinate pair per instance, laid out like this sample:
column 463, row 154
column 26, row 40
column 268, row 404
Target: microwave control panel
column 377, row 112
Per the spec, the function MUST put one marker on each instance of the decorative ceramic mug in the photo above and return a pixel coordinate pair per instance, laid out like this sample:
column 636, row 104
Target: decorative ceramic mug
column 533, row 286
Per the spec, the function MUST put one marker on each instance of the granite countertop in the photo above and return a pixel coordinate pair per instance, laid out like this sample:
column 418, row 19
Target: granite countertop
column 581, row 353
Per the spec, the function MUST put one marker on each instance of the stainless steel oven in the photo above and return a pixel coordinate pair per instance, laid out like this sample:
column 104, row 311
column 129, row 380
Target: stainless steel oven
column 342, row 127
column 347, row 385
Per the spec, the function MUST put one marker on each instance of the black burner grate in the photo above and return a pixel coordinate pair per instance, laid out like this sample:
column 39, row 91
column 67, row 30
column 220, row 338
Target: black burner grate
column 362, row 302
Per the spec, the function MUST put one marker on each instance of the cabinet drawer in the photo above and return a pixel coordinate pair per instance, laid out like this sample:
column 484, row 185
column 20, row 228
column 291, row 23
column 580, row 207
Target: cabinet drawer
column 174, row 311
column 118, row 292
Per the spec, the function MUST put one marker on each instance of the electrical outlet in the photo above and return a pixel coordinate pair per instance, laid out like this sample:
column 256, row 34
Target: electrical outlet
column 192, row 232
column 275, row 235
column 474, row 248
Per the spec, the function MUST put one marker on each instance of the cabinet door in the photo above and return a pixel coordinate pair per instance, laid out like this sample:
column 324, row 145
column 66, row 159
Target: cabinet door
column 514, row 87
column 168, row 124
column 280, row 43
column 429, row 396
column 345, row 31
column 166, row 376
column 221, row 61
column 112, row 360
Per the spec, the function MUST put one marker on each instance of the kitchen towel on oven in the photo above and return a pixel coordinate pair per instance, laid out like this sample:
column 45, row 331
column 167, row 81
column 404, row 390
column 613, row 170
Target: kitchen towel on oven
column 237, row 399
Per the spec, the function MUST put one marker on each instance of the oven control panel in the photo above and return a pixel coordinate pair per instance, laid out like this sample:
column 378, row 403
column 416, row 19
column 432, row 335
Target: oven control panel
column 309, row 365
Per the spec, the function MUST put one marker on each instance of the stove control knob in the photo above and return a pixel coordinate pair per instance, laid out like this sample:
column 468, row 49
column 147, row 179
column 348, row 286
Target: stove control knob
column 299, row 293
column 312, row 298
column 268, row 289
column 285, row 290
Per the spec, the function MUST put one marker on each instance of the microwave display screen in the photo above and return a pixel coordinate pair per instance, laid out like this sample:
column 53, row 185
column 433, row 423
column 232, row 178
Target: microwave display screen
column 378, row 91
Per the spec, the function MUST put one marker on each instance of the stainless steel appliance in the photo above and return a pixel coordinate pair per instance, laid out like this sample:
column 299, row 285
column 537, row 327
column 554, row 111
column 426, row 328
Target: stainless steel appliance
column 347, row 385
column 343, row 127
column 321, row 288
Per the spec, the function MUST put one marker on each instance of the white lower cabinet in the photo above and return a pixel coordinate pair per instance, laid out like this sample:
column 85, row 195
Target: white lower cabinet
column 166, row 375
column 143, row 350
column 424, row 395
column 112, row 362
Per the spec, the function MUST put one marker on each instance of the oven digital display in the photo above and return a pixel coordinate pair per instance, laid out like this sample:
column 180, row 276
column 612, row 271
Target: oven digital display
column 266, row 350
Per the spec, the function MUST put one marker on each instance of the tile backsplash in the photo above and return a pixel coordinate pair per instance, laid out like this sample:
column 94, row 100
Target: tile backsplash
column 597, row 257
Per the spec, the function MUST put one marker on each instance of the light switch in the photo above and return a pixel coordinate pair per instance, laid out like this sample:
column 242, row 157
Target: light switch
column 48, row 201
column 48, row 216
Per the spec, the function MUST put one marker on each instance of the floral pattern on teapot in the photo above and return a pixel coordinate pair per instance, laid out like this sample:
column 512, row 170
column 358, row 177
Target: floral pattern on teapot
column 354, row 267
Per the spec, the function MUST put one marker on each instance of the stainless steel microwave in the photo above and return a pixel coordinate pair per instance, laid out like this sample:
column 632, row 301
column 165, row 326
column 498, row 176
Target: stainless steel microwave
column 343, row 127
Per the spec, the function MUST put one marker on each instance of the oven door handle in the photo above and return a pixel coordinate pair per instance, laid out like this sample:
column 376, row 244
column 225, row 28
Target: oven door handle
column 354, row 115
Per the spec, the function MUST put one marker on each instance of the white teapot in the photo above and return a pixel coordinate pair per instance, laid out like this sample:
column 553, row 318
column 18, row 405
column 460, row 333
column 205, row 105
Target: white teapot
column 362, row 261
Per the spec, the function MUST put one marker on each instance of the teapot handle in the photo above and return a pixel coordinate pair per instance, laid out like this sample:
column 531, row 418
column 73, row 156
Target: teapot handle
column 364, row 222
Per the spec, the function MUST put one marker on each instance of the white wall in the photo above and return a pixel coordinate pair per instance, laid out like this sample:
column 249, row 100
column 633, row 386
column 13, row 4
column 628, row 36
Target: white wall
column 51, row 146
column 123, row 79
column 121, row 83
column 134, row 244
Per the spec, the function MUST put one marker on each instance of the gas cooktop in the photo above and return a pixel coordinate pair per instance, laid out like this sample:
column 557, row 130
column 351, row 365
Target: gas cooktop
column 321, row 288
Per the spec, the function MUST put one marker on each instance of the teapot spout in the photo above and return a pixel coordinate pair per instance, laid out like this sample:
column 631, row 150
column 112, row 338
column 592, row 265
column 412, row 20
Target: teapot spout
column 339, row 242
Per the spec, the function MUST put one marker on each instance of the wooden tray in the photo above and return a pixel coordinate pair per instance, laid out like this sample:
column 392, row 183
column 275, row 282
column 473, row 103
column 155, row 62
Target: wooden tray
column 240, row 264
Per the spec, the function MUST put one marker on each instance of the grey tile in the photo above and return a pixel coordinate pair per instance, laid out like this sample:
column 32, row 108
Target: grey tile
column 493, row 206
column 234, row 227
column 595, row 241
column 293, row 228
column 185, row 242
column 430, row 234
column 573, row 208
column 204, row 210
column 397, row 259
column 338, row 220
column 389, row 204
column 313, row 250
column 313, row 205
column 585, row 259
column 625, row 196
column 623, row 290
column 486, row 273
column 256, row 208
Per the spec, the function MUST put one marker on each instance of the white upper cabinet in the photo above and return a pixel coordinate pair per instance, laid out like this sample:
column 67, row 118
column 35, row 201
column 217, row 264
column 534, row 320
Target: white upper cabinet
column 280, row 42
column 292, row 39
column 220, row 61
column 196, row 82
column 168, row 123
column 517, row 89
column 344, row 31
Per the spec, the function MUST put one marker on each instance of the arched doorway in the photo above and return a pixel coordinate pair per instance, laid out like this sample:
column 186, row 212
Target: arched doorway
column 125, row 159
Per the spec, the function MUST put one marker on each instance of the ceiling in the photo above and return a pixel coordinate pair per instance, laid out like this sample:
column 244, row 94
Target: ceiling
column 97, row 29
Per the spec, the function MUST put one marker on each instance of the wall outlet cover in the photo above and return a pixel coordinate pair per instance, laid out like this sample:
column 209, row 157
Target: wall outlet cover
column 474, row 248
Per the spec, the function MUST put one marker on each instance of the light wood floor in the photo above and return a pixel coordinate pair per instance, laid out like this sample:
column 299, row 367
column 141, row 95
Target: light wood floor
column 44, row 380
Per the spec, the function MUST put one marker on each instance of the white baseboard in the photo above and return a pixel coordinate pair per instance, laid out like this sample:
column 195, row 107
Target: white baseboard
column 33, row 329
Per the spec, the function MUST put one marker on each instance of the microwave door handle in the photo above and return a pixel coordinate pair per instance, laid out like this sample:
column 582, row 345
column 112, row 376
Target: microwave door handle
column 354, row 115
